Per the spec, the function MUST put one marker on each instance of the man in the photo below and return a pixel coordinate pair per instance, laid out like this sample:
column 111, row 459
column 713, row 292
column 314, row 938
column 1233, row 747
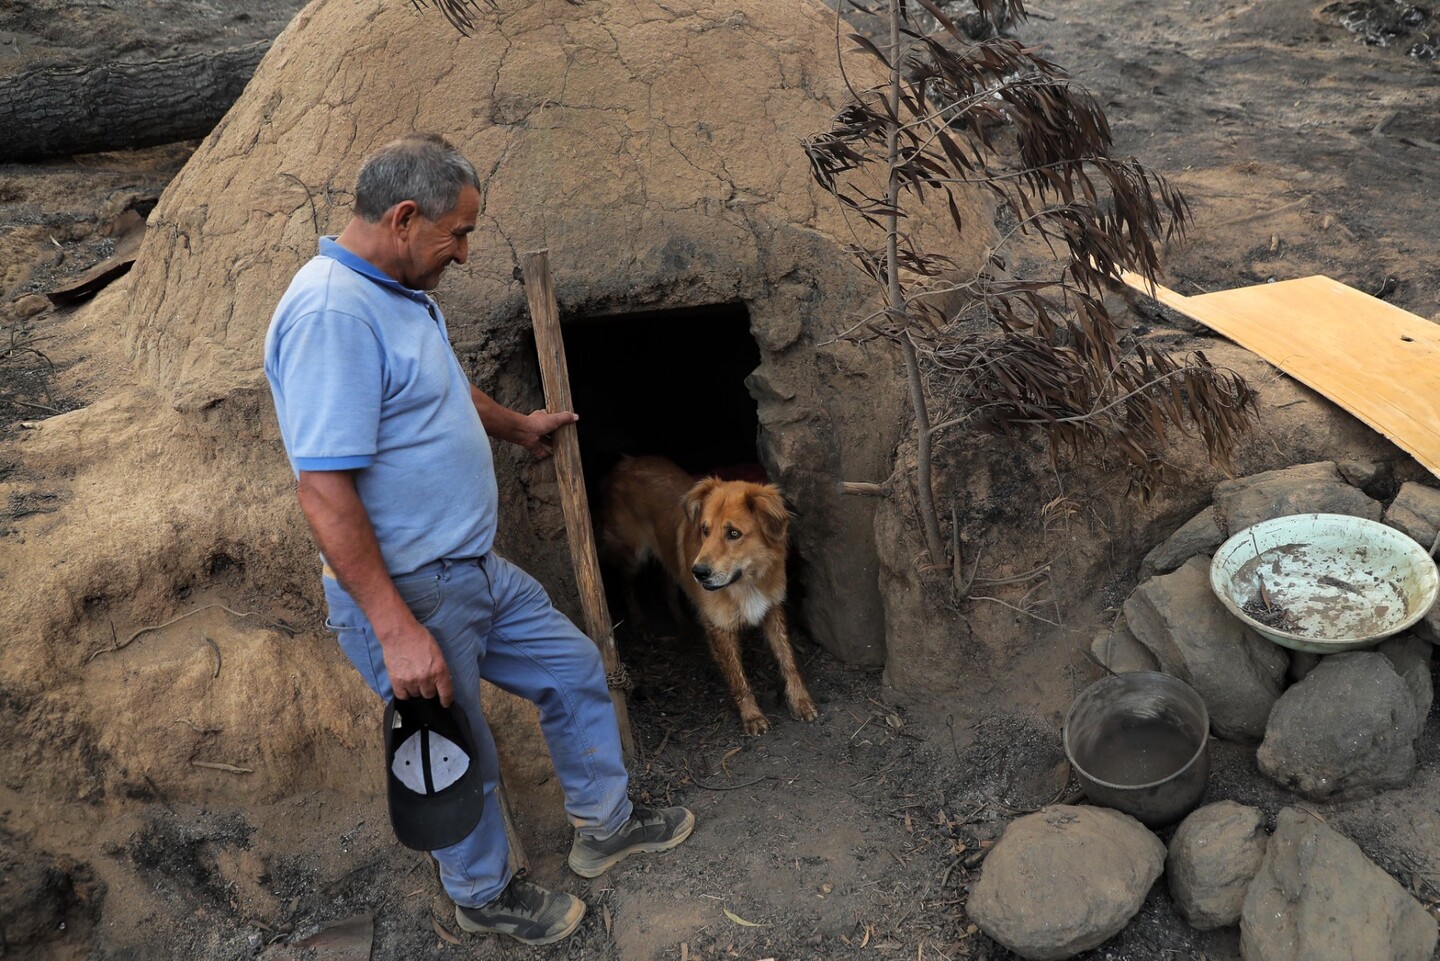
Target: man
column 390, row 443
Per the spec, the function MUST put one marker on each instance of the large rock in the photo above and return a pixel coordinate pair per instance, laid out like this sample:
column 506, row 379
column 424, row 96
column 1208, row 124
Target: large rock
column 1301, row 663
column 1309, row 488
column 1415, row 511
column 1119, row 651
column 1347, row 729
column 1238, row 673
column 1410, row 656
column 1213, row 855
column 1428, row 627
column 1317, row 897
column 1364, row 474
column 1065, row 879
column 1201, row 534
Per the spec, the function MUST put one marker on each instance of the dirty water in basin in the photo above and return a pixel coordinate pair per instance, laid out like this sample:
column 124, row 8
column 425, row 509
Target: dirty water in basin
column 1321, row 592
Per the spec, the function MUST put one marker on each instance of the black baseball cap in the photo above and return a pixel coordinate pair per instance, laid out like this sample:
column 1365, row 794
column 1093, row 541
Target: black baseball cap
column 436, row 788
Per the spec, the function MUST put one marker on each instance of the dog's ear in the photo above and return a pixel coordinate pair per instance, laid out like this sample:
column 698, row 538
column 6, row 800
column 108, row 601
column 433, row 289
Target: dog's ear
column 769, row 509
column 695, row 497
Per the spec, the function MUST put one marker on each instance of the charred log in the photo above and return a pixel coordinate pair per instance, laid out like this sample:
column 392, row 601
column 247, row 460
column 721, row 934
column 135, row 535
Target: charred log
column 53, row 111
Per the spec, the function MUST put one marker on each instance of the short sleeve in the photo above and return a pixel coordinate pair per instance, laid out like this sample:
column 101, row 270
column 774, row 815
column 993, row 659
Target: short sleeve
column 328, row 372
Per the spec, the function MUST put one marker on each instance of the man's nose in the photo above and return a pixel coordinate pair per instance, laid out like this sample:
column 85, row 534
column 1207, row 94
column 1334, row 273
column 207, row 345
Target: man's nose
column 462, row 251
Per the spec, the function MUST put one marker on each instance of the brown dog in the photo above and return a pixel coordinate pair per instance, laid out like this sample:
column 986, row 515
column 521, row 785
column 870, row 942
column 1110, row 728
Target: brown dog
column 724, row 544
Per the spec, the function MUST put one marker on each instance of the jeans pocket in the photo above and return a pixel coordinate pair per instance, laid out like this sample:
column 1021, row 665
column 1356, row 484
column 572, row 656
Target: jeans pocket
column 423, row 595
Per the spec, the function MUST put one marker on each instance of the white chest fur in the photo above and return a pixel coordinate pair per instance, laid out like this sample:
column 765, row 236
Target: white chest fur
column 741, row 605
column 753, row 605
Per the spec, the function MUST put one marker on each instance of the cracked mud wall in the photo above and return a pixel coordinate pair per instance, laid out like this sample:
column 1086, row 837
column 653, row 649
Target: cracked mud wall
column 653, row 150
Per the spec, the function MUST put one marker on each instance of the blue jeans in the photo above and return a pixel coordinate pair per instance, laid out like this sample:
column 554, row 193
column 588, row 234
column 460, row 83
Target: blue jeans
column 494, row 621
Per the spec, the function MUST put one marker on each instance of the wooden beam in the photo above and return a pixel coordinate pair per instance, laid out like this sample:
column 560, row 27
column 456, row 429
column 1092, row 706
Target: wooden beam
column 555, row 376
column 519, row 860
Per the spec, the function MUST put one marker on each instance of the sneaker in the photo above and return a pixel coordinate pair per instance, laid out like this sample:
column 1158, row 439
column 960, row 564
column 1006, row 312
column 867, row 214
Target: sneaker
column 649, row 830
column 527, row 912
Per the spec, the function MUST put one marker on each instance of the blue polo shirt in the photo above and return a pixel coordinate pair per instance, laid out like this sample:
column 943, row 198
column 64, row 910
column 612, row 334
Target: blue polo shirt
column 364, row 379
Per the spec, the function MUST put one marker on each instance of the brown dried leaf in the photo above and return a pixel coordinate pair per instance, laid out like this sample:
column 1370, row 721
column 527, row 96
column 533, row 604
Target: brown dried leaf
column 443, row 932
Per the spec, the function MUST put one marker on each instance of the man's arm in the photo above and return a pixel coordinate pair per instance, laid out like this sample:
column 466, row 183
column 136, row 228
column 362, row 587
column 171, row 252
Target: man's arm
column 530, row 431
column 342, row 529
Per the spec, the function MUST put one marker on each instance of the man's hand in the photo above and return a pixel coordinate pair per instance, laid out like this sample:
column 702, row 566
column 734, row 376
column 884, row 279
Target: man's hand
column 415, row 664
column 533, row 431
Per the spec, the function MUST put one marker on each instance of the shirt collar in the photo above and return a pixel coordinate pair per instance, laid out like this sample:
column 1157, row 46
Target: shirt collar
column 332, row 249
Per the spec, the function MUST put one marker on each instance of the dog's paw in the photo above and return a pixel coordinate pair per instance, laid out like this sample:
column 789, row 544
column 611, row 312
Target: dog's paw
column 803, row 709
column 755, row 724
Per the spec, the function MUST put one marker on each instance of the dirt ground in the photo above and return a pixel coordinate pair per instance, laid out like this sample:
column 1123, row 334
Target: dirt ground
column 1302, row 150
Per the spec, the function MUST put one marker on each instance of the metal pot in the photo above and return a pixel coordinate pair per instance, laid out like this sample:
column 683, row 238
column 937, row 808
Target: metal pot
column 1140, row 743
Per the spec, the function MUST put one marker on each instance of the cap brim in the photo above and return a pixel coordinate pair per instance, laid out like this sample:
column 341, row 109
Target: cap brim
column 430, row 822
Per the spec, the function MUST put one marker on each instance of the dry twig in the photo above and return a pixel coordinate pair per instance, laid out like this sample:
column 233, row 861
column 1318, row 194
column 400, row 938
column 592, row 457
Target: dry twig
column 174, row 620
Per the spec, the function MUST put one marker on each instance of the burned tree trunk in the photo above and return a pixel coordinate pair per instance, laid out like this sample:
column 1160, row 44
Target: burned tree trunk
column 64, row 110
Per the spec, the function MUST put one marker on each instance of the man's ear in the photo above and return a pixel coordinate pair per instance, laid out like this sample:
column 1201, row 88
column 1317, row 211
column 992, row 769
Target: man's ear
column 403, row 216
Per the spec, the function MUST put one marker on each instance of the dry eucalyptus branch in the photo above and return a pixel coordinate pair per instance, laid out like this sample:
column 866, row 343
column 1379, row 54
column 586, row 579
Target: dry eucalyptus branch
column 957, row 116
column 460, row 13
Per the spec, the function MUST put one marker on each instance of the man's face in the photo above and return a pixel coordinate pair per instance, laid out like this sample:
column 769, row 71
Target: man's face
column 429, row 246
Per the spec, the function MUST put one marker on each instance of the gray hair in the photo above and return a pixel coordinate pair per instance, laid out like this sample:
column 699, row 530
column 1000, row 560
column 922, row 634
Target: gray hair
column 423, row 167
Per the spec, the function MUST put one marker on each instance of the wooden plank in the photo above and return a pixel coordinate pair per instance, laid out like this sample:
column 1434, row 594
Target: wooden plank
column 1378, row 362
column 81, row 286
column 555, row 376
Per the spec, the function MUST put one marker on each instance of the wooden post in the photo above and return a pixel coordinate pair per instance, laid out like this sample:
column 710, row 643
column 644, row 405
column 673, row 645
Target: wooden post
column 555, row 376
column 519, row 860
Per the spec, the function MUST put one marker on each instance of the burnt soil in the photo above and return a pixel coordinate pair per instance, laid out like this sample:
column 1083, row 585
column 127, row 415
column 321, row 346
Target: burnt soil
column 1303, row 150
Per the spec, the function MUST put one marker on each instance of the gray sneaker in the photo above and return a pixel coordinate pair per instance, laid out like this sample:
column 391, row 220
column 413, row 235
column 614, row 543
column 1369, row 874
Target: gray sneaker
column 526, row 912
column 649, row 830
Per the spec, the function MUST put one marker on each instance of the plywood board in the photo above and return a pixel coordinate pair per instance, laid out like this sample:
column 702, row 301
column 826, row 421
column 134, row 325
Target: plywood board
column 1379, row 362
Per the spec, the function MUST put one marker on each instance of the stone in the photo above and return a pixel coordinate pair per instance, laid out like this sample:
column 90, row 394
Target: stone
column 1212, row 857
column 1428, row 627
column 1347, row 729
column 30, row 305
column 1308, row 488
column 1119, row 651
column 1415, row 511
column 1065, row 879
column 1201, row 534
column 1317, row 897
column 1235, row 671
column 1375, row 478
column 1410, row 656
column 1301, row 663
column 1359, row 473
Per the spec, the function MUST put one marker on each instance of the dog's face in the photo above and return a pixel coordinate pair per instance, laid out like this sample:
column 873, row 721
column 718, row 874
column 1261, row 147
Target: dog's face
column 742, row 529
